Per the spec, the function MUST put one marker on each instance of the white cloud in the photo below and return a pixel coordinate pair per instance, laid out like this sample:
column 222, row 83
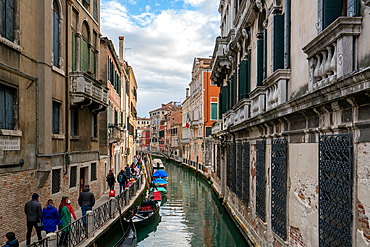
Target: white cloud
column 162, row 47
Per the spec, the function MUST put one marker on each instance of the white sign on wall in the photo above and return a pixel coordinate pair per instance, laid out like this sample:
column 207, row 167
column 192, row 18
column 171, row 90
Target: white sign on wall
column 8, row 143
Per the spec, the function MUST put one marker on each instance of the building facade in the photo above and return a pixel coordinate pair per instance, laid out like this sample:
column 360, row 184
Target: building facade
column 290, row 145
column 50, row 143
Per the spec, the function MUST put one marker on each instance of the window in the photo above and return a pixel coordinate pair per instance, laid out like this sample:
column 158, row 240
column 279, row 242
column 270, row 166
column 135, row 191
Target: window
column 56, row 117
column 84, row 47
column 73, row 177
column 56, row 41
column 95, row 10
column 74, row 121
column 94, row 127
column 208, row 131
column 93, row 171
column 115, row 118
column 277, row 42
column 213, row 111
column 7, row 103
column 7, row 19
column 55, row 179
column 86, row 4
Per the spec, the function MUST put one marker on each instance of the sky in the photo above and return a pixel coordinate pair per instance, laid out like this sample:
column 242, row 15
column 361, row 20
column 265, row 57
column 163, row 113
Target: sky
column 162, row 38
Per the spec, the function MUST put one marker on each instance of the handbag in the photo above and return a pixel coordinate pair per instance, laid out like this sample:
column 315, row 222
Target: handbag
column 40, row 225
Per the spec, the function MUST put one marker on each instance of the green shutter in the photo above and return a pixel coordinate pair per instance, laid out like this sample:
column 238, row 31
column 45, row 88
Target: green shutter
column 225, row 98
column 278, row 42
column 287, row 34
column 232, row 92
column 353, row 8
column 332, row 10
column 220, row 104
column 84, row 55
column 243, row 80
column 259, row 62
column 213, row 111
column 92, row 61
column 73, row 52
column 121, row 119
column 95, row 10
column 55, row 39
column 9, row 19
column 248, row 88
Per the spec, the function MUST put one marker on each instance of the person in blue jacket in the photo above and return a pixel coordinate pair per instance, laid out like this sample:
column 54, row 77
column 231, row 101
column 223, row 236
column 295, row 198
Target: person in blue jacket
column 11, row 241
column 50, row 217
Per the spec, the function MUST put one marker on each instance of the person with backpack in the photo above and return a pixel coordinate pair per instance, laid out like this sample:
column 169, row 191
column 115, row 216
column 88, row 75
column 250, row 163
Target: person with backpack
column 111, row 180
column 121, row 178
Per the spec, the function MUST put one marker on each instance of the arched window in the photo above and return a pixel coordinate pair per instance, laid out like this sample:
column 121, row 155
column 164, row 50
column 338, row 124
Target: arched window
column 56, row 40
column 7, row 19
column 84, row 49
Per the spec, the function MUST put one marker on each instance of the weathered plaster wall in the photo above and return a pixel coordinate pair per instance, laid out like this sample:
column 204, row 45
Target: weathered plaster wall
column 363, row 174
column 303, row 194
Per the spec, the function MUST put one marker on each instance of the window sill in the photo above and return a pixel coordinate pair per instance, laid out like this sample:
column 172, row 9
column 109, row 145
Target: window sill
column 94, row 139
column 5, row 132
column 75, row 137
column 58, row 70
column 11, row 44
column 57, row 136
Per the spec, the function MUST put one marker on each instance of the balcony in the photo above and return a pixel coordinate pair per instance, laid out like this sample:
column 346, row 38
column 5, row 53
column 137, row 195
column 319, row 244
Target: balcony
column 216, row 126
column 115, row 134
column 194, row 124
column 242, row 111
column 220, row 62
column 258, row 99
column 87, row 91
column 330, row 54
column 228, row 118
column 276, row 88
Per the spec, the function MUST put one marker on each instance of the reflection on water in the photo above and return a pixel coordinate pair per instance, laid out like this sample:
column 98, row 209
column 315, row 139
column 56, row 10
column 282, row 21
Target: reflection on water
column 191, row 216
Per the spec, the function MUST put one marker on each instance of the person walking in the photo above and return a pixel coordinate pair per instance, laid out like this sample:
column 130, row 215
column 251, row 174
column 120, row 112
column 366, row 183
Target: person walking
column 65, row 216
column 135, row 160
column 50, row 217
column 33, row 211
column 128, row 175
column 111, row 180
column 121, row 178
column 11, row 241
column 71, row 209
column 86, row 200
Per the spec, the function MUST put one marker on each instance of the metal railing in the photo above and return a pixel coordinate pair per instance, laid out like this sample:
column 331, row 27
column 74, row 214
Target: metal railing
column 121, row 200
column 101, row 215
column 130, row 191
column 43, row 243
column 73, row 234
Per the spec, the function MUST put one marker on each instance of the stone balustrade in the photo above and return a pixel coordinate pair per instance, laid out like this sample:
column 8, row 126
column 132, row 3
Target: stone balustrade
column 228, row 119
column 330, row 54
column 276, row 88
column 258, row 100
column 216, row 126
column 242, row 111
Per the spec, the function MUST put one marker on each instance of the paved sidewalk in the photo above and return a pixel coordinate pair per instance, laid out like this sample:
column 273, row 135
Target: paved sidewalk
column 103, row 199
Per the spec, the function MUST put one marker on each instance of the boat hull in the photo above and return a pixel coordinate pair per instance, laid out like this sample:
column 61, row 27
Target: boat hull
column 141, row 222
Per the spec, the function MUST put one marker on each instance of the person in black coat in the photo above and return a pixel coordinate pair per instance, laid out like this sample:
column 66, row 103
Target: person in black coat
column 111, row 180
column 86, row 200
column 11, row 241
column 34, row 214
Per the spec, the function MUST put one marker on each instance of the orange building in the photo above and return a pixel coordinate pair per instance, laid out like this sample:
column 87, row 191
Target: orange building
column 200, row 111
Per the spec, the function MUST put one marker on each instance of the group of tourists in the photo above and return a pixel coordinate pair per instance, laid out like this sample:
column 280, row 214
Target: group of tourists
column 124, row 176
column 50, row 218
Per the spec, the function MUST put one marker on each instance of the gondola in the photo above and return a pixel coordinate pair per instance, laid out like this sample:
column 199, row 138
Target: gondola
column 158, row 164
column 146, row 213
column 129, row 238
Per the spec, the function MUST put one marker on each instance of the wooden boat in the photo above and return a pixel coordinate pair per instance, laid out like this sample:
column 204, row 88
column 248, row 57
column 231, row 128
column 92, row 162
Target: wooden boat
column 146, row 213
column 158, row 164
column 129, row 238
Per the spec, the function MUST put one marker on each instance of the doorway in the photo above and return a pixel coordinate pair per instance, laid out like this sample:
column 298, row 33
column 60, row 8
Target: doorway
column 83, row 177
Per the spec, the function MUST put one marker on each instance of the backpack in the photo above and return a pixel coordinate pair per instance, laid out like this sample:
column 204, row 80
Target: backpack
column 121, row 179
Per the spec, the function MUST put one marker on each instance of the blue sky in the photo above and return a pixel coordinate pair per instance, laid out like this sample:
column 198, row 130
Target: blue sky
column 161, row 40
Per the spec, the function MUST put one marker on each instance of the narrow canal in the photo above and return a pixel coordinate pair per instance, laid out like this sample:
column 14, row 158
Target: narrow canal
column 191, row 215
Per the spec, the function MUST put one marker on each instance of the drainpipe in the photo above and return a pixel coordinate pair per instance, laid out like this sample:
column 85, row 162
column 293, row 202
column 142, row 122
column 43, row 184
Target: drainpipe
column 66, row 159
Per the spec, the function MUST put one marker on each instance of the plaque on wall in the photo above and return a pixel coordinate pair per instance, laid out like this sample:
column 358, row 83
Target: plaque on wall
column 9, row 143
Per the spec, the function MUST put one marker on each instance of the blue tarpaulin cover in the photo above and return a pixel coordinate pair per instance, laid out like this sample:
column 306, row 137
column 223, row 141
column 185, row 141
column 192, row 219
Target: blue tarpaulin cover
column 160, row 181
column 160, row 174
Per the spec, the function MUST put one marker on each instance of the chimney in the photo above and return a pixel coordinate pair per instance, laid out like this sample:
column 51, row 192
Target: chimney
column 121, row 48
column 187, row 92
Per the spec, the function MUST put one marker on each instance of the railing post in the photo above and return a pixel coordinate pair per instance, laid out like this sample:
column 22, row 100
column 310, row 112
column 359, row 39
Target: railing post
column 52, row 239
column 112, row 207
column 90, row 224
column 127, row 194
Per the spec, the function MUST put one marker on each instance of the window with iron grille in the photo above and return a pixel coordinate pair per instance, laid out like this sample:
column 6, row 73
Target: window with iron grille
column 56, row 117
column 55, row 181
column 245, row 161
column 73, row 177
column 93, row 171
column 239, row 170
column 261, row 180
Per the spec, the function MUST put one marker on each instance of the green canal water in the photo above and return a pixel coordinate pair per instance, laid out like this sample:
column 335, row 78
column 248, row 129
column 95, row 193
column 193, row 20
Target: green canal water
column 190, row 215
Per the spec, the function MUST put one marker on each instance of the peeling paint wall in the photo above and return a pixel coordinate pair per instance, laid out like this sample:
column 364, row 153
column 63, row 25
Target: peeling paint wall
column 303, row 193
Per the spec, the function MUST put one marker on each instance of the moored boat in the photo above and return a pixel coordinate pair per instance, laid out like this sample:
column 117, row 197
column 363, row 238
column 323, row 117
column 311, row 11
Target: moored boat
column 146, row 213
column 158, row 164
column 129, row 238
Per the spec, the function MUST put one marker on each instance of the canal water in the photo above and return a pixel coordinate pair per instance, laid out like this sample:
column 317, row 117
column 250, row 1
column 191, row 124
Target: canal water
column 190, row 215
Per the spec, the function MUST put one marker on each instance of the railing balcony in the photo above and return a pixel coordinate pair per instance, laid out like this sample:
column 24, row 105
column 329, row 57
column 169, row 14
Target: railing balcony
column 194, row 124
column 216, row 126
column 228, row 118
column 330, row 54
column 276, row 88
column 220, row 61
column 185, row 141
column 258, row 99
column 86, row 90
column 242, row 111
column 115, row 134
